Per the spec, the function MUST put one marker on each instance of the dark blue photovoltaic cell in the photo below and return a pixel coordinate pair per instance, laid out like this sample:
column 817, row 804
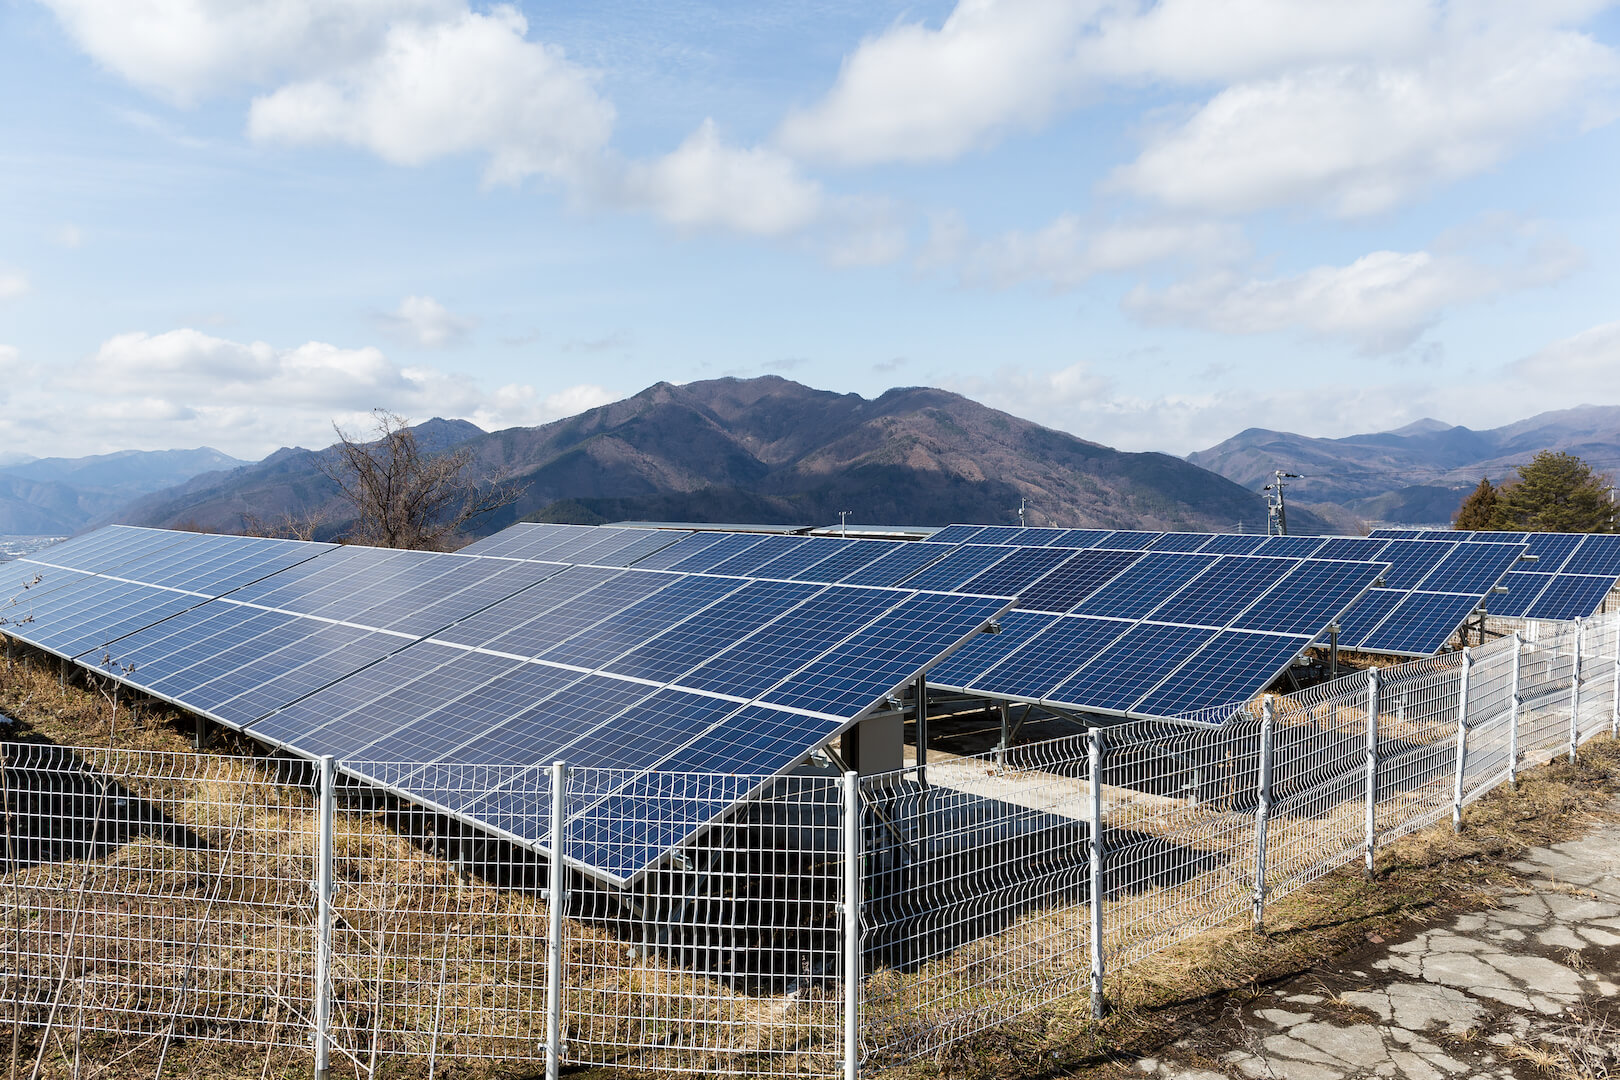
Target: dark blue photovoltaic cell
column 813, row 550
column 1233, row 544
column 104, row 549
column 757, row 739
column 1290, row 547
column 1552, row 551
column 584, row 610
column 263, row 687
column 1004, row 535
column 778, row 649
column 1395, row 534
column 1230, row 586
column 899, row 564
column 147, row 650
column 622, row 632
column 1522, row 590
column 705, row 559
column 1357, row 548
column 853, row 555
column 428, row 617
column 956, row 534
column 1124, row 671
column 631, row 549
column 1082, row 538
column 577, row 548
column 1472, row 568
column 1310, row 596
column 1032, row 537
column 965, row 562
column 526, row 540
column 652, row 731
column 986, row 650
column 326, row 579
column 532, row 603
column 748, row 561
column 378, row 583
column 633, row 828
column 1598, row 555
column 1017, row 571
column 1410, row 560
column 1421, row 624
column 1148, row 582
column 709, row 632
column 1049, row 658
column 1128, row 540
column 259, row 634
column 1572, row 596
column 688, row 547
column 95, row 634
column 1363, row 618
column 841, row 682
column 1182, row 541
column 1224, row 672
column 1075, row 580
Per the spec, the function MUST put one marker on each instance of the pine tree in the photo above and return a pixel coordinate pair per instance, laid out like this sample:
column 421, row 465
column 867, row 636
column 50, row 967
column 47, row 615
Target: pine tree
column 1479, row 510
column 1556, row 492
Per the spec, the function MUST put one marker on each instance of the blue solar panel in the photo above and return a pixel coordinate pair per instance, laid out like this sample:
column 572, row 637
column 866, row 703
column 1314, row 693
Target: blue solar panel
column 966, row 562
column 687, row 547
column 1181, row 541
column 986, row 650
column 899, row 564
column 1599, row 555
column 804, row 555
column 1294, row 547
column 258, row 687
column 1552, row 551
column 523, row 607
column 1229, row 587
column 1307, row 598
column 527, row 540
column 1048, row 659
column 261, row 633
column 586, row 609
column 1571, row 596
column 1421, row 624
column 632, row 548
column 656, row 728
column 886, row 654
column 103, row 549
column 704, row 560
column 1032, row 537
column 1396, row 534
column 664, row 657
column 1471, row 568
column 419, row 615
column 1365, row 615
column 1082, row 538
column 1116, row 678
column 1410, row 560
column 596, row 645
column 1004, row 535
column 1351, row 547
column 1233, row 544
column 1017, row 571
column 1127, row 540
column 956, row 534
column 1150, row 581
column 852, row 556
column 748, row 561
column 1522, row 590
column 1075, row 580
column 1224, row 672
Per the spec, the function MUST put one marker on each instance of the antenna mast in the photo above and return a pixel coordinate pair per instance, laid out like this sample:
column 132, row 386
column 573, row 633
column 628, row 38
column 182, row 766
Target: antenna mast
column 1021, row 508
column 1276, row 508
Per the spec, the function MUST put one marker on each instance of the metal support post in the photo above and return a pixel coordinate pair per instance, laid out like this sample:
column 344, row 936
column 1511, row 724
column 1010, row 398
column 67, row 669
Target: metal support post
column 854, row 934
column 1263, row 810
column 1575, row 690
column 1372, row 767
column 1462, row 739
column 921, row 694
column 1099, row 1003
column 199, row 738
column 556, row 902
column 323, row 917
column 1614, row 681
column 1515, row 699
column 1006, row 733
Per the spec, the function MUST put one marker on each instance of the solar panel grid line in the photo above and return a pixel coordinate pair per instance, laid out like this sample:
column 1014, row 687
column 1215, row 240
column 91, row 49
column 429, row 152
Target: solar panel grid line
column 1020, row 570
column 1124, row 670
column 1048, row 657
column 579, row 611
column 1150, row 581
column 986, row 651
column 712, row 555
column 957, row 567
column 893, row 567
column 683, row 547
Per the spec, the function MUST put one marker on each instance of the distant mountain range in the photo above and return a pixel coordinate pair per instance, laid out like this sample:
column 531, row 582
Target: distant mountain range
column 770, row 450
column 44, row 496
column 1417, row 474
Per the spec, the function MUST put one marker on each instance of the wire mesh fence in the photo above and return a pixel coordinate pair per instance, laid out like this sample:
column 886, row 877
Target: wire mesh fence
column 811, row 924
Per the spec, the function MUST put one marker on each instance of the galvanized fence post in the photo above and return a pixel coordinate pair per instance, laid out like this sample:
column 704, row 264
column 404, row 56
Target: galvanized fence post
column 1372, row 766
column 1262, row 811
column 854, row 935
column 1614, row 679
column 556, row 902
column 1575, row 690
column 323, row 917
column 1462, row 739
column 1099, row 1003
column 1514, row 700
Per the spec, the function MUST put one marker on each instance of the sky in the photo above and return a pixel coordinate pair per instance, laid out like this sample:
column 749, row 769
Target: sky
column 236, row 223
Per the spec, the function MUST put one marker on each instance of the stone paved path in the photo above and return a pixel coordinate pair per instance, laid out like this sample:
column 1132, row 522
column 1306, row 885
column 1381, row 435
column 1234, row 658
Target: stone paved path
column 1450, row 1001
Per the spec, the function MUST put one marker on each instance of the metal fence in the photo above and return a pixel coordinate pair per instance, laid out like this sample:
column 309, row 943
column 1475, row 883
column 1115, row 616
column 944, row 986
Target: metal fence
column 831, row 923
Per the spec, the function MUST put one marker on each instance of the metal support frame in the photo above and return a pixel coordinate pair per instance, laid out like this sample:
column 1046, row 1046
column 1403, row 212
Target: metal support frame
column 920, row 694
column 1333, row 650
column 1462, row 739
column 1099, row 1003
column 1263, row 809
column 323, row 917
column 556, row 903
column 1575, row 689
column 854, row 934
column 1372, row 768
column 1515, row 700
column 1005, row 709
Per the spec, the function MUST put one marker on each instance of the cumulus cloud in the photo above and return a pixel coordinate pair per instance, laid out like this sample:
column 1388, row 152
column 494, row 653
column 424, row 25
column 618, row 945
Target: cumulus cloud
column 1068, row 251
column 1589, row 360
column 12, row 284
column 423, row 321
column 1381, row 302
column 704, row 183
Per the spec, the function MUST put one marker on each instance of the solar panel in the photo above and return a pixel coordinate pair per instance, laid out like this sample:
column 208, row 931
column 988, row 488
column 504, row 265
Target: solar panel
column 1123, row 672
column 1075, row 580
column 1350, row 547
column 812, row 550
column 956, row 534
column 986, row 650
column 849, row 558
column 897, row 565
column 1227, row 588
column 1017, row 571
column 1181, row 541
column 1233, row 544
column 1147, row 583
column 1290, row 546
column 1522, row 590
column 1049, row 658
column 682, row 599
column 1420, row 624
column 1571, row 596
column 1127, row 540
column 526, row 606
column 1304, row 600
column 1471, row 568
column 664, row 657
column 957, row 567
column 756, row 555
column 580, row 611
column 688, row 547
column 1224, row 672
column 712, row 555
column 1598, row 555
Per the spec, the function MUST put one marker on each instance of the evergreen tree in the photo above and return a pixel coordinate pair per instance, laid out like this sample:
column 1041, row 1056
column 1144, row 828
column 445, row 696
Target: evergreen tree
column 1479, row 510
column 1556, row 492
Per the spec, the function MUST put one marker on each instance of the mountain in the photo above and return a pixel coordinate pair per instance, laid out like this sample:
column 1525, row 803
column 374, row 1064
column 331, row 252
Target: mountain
column 1419, row 473
column 770, row 450
column 63, row 495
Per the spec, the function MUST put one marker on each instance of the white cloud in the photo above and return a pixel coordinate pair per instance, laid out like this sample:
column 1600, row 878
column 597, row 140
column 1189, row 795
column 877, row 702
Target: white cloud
column 1381, row 302
column 423, row 321
column 1589, row 361
column 523, row 405
column 471, row 84
column 1067, row 252
column 184, row 49
column 704, row 184
column 12, row 284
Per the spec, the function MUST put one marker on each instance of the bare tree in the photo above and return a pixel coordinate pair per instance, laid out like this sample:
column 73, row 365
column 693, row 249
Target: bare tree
column 403, row 496
column 288, row 526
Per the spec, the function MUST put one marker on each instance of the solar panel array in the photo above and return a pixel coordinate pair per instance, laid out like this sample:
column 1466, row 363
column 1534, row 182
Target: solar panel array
column 1436, row 580
column 450, row 662
column 1571, row 577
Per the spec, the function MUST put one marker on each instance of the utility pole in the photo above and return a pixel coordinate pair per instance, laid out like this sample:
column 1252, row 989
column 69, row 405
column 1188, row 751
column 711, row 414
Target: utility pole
column 1276, row 509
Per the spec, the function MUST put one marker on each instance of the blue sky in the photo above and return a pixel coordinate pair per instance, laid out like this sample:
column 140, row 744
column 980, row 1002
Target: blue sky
column 1152, row 225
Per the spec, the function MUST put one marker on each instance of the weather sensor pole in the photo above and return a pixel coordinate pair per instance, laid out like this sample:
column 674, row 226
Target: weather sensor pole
column 843, row 522
column 1021, row 508
column 1276, row 510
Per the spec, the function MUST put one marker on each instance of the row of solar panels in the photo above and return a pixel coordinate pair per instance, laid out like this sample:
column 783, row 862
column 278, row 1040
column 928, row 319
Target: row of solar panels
column 454, row 680
column 1430, row 589
column 1571, row 578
